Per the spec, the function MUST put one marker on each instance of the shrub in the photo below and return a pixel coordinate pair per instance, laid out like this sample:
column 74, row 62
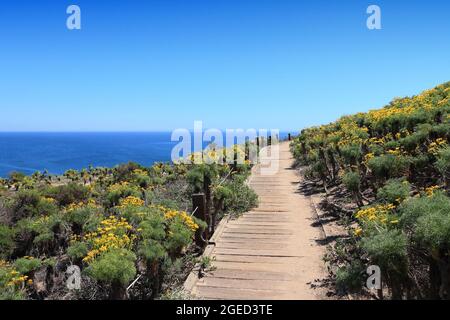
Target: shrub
column 16, row 177
column 411, row 142
column 87, row 218
column 7, row 244
column 151, row 250
column 24, row 204
column 429, row 218
column 119, row 191
column 114, row 267
column 443, row 162
column 351, row 153
column 10, row 283
column 27, row 265
column 394, row 191
column 352, row 181
column 412, row 210
column 43, row 228
column 179, row 236
column 388, row 166
column 387, row 249
column 124, row 172
column 77, row 250
column 70, row 193
column 240, row 197
column 350, row 278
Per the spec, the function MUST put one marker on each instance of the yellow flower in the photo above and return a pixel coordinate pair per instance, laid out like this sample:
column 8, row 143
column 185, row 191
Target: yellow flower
column 430, row 190
column 111, row 234
column 131, row 201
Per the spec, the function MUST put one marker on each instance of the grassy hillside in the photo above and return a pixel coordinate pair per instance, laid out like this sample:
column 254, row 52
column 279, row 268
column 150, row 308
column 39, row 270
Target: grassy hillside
column 116, row 225
column 394, row 164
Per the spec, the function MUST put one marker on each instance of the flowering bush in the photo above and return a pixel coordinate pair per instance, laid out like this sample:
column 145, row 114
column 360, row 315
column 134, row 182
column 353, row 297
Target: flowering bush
column 112, row 224
column 395, row 161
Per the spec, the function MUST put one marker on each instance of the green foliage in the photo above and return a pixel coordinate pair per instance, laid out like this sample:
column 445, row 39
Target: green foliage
column 351, row 153
column 153, row 226
column 388, row 250
column 27, row 265
column 388, row 165
column 429, row 219
column 394, row 191
column 7, row 244
column 52, row 221
column 352, row 181
column 43, row 228
column 8, row 291
column 68, row 193
column 77, row 250
column 180, row 236
column 124, row 172
column 241, row 199
column 443, row 162
column 151, row 250
column 350, row 278
column 113, row 197
column 115, row 267
column 222, row 192
column 87, row 218
column 25, row 204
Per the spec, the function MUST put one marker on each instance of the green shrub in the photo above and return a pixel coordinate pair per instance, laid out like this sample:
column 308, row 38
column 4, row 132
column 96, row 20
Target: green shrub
column 388, row 250
column 27, row 265
column 153, row 226
column 351, row 153
column 77, row 250
column 394, row 191
column 7, row 244
column 113, row 197
column 180, row 236
column 350, row 278
column 352, row 181
column 411, row 142
column 241, row 199
column 24, row 204
column 87, row 218
column 7, row 291
column 388, row 166
column 443, row 161
column 124, row 172
column 151, row 250
column 70, row 193
column 16, row 177
column 429, row 219
column 114, row 267
column 43, row 228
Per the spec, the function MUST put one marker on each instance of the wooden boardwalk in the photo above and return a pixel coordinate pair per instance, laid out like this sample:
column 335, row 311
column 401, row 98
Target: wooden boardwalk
column 270, row 252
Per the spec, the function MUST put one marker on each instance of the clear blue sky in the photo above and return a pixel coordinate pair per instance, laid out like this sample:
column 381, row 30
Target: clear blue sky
column 159, row 65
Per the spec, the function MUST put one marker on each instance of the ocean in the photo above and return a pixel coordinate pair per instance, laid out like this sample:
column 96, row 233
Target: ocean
column 58, row 152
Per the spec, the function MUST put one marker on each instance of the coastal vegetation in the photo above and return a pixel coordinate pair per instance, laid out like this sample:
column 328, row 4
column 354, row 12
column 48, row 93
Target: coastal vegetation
column 386, row 173
column 131, row 231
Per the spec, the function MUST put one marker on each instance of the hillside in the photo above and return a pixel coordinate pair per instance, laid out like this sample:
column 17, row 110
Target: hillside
column 128, row 232
column 386, row 174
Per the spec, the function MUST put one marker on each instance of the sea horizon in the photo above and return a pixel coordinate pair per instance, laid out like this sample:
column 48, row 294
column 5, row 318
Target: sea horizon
column 57, row 152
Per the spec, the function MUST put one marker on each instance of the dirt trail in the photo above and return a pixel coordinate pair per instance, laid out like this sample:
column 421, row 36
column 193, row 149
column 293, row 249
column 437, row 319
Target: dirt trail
column 270, row 252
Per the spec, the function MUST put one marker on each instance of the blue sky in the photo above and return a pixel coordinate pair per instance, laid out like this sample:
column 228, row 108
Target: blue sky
column 159, row 65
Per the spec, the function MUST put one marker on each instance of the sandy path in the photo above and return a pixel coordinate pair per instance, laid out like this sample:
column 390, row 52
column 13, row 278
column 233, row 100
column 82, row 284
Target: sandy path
column 270, row 252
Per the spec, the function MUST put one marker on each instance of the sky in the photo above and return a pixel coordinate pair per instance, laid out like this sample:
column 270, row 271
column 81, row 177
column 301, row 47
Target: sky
column 144, row 65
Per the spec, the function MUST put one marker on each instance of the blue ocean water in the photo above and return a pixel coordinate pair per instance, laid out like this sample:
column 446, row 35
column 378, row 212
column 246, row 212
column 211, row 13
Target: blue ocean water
column 58, row 152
